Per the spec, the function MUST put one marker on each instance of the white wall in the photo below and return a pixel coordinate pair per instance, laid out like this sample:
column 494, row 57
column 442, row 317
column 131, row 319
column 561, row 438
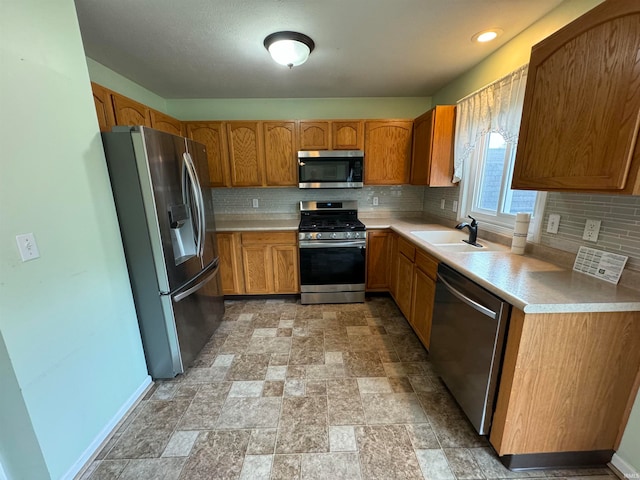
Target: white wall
column 68, row 321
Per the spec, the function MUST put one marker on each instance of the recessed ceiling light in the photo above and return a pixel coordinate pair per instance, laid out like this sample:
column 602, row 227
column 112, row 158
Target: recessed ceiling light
column 487, row 35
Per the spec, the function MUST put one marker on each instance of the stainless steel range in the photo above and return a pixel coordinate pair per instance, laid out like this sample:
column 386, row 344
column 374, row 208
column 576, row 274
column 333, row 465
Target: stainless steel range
column 332, row 252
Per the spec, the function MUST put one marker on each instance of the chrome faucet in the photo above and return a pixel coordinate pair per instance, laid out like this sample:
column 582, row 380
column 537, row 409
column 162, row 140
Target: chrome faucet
column 473, row 231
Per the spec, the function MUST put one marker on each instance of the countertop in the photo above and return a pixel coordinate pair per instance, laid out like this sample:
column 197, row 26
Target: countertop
column 528, row 283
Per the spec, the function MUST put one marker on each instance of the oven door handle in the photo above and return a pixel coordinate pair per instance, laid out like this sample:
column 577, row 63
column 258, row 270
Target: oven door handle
column 330, row 244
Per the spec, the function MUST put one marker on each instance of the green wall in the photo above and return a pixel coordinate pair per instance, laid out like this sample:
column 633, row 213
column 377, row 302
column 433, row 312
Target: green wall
column 298, row 108
column 71, row 354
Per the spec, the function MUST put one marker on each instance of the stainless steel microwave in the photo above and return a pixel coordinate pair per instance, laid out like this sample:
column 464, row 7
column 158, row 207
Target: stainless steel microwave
column 330, row 169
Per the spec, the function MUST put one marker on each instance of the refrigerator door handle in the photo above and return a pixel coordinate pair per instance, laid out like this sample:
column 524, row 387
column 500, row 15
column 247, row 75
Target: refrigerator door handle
column 184, row 294
column 195, row 181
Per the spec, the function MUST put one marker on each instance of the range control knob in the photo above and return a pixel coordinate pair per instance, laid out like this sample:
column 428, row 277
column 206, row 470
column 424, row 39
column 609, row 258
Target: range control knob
column 319, row 235
column 357, row 234
column 308, row 236
column 348, row 234
column 334, row 235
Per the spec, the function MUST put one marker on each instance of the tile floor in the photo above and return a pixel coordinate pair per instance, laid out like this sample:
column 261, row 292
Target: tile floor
column 290, row 391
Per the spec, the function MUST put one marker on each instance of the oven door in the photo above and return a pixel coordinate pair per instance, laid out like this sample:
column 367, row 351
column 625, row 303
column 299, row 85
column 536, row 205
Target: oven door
column 333, row 269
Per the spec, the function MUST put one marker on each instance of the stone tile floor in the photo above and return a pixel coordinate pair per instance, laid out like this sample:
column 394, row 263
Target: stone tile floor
column 290, row 391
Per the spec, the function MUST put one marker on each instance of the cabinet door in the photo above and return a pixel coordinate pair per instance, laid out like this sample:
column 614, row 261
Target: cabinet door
column 393, row 264
column 104, row 107
column 129, row 112
column 424, row 291
column 213, row 136
column 231, row 274
column 432, row 159
column 404, row 285
column 387, row 152
column 168, row 124
column 378, row 259
column 580, row 120
column 280, row 153
column 347, row 135
column 314, row 136
column 258, row 269
column 245, row 154
column 285, row 269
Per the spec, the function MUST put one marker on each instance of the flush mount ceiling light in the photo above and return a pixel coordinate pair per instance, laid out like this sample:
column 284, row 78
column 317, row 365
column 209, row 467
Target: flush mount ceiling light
column 487, row 35
column 289, row 48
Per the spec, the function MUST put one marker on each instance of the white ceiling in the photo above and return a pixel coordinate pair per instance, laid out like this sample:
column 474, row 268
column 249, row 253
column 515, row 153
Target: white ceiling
column 364, row 48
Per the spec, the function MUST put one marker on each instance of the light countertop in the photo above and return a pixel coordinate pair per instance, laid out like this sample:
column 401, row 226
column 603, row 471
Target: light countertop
column 530, row 284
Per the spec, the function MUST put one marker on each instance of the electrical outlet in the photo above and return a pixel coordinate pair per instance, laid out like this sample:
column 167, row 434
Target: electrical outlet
column 27, row 247
column 442, row 204
column 591, row 230
column 455, row 206
column 255, row 203
column 553, row 223
column 375, row 201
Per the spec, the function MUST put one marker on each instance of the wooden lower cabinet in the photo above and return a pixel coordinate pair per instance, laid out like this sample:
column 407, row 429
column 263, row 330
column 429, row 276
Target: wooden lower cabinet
column 568, row 382
column 257, row 263
column 378, row 260
column 423, row 295
column 404, row 282
column 231, row 272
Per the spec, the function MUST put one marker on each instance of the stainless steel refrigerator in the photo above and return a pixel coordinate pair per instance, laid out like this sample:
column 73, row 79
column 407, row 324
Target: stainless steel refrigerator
column 168, row 233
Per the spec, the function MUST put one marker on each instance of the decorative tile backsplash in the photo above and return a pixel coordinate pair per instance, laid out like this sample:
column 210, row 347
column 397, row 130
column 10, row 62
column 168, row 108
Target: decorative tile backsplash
column 433, row 198
column 286, row 200
column 619, row 230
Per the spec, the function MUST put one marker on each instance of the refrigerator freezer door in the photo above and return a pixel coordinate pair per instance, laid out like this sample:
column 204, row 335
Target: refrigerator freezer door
column 198, row 310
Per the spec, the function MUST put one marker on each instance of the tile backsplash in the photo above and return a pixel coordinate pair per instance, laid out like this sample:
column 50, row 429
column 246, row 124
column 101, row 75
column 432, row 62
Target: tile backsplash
column 231, row 201
column 619, row 230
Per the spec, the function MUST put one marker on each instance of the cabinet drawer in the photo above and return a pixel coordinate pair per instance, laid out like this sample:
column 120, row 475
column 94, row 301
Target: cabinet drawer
column 285, row 238
column 427, row 264
column 407, row 249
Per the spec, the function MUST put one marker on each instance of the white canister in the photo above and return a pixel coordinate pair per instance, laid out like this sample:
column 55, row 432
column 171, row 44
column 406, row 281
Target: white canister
column 520, row 230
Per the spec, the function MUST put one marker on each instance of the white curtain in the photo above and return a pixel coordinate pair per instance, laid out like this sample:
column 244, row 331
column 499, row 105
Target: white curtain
column 494, row 108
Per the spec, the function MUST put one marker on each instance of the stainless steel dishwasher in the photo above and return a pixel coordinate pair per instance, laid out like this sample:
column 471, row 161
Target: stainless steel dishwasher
column 467, row 342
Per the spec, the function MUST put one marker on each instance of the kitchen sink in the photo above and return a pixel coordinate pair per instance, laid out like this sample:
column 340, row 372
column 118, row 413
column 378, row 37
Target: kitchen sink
column 441, row 236
column 465, row 247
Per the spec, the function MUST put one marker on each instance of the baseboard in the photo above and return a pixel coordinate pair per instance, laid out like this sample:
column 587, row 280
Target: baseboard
column 624, row 468
column 94, row 447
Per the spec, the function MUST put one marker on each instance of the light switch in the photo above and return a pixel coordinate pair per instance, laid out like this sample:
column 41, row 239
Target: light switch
column 455, row 206
column 27, row 247
column 255, row 203
column 375, row 201
column 553, row 223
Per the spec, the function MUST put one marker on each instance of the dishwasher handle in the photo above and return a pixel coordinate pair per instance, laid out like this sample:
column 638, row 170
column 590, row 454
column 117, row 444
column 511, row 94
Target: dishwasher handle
column 463, row 298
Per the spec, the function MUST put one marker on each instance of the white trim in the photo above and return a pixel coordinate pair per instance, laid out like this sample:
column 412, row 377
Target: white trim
column 624, row 468
column 105, row 433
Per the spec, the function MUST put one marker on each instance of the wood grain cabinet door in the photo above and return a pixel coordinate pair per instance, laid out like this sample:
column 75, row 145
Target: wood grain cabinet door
column 280, row 153
column 424, row 291
column 387, row 152
column 580, row 121
column 432, row 158
column 404, row 285
column 165, row 123
column 130, row 112
column 347, row 135
column 285, row 269
column 213, row 136
column 314, row 135
column 231, row 274
column 378, row 259
column 258, row 269
column 104, row 107
column 246, row 154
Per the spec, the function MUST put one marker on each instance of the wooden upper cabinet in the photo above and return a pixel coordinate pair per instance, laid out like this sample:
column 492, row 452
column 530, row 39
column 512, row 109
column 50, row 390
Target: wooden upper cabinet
column 280, row 153
column 432, row 159
column 246, row 154
column 213, row 136
column 161, row 121
column 347, row 135
column 580, row 121
column 130, row 112
column 387, row 150
column 315, row 135
column 104, row 107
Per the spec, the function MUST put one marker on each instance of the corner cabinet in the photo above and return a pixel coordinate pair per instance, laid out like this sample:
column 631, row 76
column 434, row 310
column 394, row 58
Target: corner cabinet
column 387, row 147
column 104, row 107
column 432, row 159
column 580, row 121
column 165, row 123
column 130, row 112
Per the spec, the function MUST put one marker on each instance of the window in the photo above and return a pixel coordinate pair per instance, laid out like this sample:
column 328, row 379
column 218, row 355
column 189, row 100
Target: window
column 486, row 140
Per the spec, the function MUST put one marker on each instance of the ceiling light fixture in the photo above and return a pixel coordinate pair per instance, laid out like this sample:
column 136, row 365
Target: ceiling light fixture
column 487, row 35
column 289, row 48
